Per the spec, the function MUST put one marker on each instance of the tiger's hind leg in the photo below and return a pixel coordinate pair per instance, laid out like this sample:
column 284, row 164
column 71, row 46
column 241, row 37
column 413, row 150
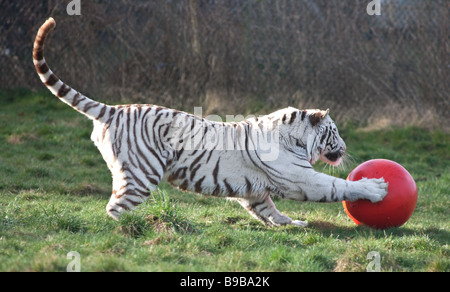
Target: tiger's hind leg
column 129, row 191
column 265, row 211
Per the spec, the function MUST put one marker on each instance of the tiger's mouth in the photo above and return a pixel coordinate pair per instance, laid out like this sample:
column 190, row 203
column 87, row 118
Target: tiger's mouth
column 333, row 158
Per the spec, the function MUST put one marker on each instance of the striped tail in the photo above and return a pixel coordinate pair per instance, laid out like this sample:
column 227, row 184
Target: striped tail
column 81, row 103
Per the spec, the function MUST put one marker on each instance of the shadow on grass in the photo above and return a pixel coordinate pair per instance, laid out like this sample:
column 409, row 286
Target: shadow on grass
column 328, row 228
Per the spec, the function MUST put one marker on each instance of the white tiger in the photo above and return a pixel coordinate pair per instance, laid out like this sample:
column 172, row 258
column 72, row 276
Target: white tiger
column 248, row 161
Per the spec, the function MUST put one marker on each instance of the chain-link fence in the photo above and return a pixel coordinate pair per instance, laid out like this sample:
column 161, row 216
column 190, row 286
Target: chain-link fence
column 241, row 56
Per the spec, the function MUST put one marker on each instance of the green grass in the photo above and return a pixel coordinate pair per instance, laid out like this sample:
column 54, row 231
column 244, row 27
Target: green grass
column 54, row 187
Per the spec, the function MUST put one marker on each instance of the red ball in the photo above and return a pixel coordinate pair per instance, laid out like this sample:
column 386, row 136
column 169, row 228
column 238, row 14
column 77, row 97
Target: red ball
column 398, row 205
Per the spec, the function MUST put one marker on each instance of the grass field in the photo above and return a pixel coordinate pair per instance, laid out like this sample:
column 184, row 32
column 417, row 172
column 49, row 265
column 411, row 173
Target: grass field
column 54, row 187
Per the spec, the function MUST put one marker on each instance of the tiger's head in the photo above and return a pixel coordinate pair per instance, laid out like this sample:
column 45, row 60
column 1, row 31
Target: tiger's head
column 315, row 132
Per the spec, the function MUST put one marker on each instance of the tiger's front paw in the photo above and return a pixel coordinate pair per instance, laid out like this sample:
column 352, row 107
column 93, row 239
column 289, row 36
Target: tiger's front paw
column 374, row 189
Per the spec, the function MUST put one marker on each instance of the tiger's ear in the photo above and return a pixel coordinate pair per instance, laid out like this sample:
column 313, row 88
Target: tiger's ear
column 316, row 117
